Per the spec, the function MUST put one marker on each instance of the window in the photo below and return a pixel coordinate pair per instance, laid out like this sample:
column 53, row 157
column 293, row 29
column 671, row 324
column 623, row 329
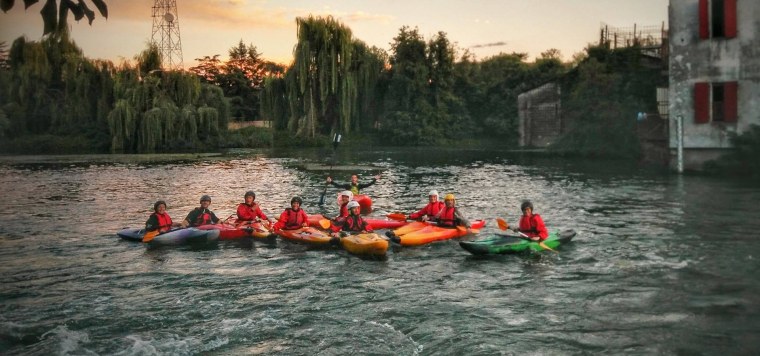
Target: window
column 717, row 19
column 716, row 102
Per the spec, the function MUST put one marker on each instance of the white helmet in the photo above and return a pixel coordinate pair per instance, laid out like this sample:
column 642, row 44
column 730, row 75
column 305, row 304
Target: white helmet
column 353, row 204
column 433, row 192
column 346, row 193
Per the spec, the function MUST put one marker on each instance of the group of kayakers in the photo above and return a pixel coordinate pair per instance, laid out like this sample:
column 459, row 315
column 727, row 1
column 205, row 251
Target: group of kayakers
column 349, row 219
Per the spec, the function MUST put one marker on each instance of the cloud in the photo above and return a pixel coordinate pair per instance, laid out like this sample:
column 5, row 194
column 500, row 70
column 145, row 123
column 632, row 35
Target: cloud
column 217, row 13
column 493, row 44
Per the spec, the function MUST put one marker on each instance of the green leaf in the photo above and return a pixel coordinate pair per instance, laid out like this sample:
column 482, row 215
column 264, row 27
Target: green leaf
column 28, row 3
column 49, row 17
column 87, row 12
column 6, row 5
column 102, row 8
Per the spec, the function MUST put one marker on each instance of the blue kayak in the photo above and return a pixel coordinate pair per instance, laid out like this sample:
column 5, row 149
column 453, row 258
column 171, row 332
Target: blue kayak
column 505, row 244
column 173, row 237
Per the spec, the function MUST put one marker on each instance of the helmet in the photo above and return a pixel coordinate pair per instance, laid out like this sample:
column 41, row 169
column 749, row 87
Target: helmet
column 250, row 193
column 433, row 192
column 347, row 193
column 526, row 204
column 206, row 198
column 296, row 199
column 353, row 204
column 155, row 206
column 449, row 197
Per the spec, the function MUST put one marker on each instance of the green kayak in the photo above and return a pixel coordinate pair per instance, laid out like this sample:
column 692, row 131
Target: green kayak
column 504, row 244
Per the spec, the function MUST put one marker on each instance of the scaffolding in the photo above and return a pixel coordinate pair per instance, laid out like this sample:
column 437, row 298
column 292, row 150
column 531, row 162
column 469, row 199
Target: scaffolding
column 653, row 40
column 166, row 33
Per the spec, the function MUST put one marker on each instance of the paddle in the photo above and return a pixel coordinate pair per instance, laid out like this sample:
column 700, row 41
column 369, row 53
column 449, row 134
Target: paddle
column 504, row 226
column 336, row 141
column 150, row 235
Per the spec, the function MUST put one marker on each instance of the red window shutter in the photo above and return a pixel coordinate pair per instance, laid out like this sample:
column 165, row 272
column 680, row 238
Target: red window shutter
column 730, row 101
column 729, row 20
column 704, row 19
column 701, row 103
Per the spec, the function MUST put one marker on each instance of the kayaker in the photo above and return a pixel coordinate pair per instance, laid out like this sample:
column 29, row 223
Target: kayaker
column 352, row 223
column 450, row 216
column 160, row 220
column 201, row 215
column 430, row 210
column 250, row 211
column 343, row 199
column 531, row 224
column 292, row 218
column 354, row 185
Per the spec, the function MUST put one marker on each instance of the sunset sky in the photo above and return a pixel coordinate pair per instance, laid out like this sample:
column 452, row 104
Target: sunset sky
column 485, row 27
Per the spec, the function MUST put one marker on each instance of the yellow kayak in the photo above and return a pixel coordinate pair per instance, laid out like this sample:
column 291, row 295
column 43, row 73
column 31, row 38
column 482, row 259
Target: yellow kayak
column 369, row 244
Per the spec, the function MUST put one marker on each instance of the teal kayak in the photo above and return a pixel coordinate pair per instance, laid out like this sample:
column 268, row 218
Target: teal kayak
column 505, row 244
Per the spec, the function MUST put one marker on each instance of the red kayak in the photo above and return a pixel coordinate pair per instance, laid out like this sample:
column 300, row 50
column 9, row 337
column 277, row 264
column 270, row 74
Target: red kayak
column 230, row 229
column 376, row 223
column 365, row 204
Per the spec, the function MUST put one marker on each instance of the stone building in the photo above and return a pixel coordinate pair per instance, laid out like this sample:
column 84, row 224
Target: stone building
column 540, row 119
column 714, row 76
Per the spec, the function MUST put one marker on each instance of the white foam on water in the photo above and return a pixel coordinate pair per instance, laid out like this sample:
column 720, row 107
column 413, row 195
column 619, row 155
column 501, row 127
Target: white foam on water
column 69, row 340
column 417, row 347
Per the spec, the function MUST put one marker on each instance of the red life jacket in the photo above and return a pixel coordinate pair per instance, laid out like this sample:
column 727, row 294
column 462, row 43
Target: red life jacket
column 203, row 219
column 533, row 226
column 356, row 224
column 295, row 219
column 430, row 210
column 343, row 211
column 164, row 221
column 447, row 217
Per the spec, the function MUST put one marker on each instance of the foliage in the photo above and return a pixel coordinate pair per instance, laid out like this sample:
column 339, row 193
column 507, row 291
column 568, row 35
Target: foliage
column 55, row 18
column 742, row 158
column 251, row 137
column 601, row 100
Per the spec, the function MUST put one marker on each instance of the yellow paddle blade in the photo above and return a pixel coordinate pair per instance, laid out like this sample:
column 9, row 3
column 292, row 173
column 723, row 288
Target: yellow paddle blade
column 324, row 223
column 545, row 247
column 148, row 237
column 502, row 224
column 397, row 216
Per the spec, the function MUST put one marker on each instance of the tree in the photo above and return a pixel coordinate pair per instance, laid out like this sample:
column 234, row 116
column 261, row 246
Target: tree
column 55, row 17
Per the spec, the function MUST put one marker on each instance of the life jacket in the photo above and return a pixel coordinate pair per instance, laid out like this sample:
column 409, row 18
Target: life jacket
column 203, row 218
column 295, row 219
column 354, row 223
column 247, row 212
column 447, row 217
column 531, row 226
column 343, row 211
column 355, row 189
column 164, row 221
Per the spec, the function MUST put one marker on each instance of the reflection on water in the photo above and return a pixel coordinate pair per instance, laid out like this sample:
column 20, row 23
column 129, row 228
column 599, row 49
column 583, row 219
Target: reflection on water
column 661, row 264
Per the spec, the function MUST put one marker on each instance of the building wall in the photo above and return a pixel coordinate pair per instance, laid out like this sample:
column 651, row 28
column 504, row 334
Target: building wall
column 712, row 60
column 540, row 119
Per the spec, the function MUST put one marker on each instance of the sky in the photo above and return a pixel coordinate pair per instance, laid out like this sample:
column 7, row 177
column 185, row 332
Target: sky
column 484, row 27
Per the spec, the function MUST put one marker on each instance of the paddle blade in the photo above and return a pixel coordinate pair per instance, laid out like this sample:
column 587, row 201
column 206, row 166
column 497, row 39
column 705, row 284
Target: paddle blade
column 322, row 199
column 324, row 223
column 397, row 216
column 148, row 237
column 545, row 247
column 502, row 224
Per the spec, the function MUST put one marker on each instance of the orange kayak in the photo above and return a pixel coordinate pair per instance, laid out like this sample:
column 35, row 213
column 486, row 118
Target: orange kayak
column 306, row 235
column 376, row 223
column 370, row 244
column 429, row 233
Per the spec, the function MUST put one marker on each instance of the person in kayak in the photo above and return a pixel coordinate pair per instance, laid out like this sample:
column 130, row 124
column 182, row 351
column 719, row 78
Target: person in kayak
column 450, row 216
column 292, row 218
column 354, row 185
column 343, row 199
column 352, row 223
column 250, row 210
column 201, row 215
column 430, row 210
column 160, row 220
column 531, row 224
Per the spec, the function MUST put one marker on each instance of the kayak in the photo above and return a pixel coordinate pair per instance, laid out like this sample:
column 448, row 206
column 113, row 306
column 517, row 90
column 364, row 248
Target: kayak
column 230, row 230
column 307, row 235
column 365, row 203
column 173, row 237
column 505, row 244
column 375, row 223
column 369, row 244
column 419, row 233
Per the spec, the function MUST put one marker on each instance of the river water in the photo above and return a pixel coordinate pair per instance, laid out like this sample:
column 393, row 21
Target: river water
column 662, row 264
